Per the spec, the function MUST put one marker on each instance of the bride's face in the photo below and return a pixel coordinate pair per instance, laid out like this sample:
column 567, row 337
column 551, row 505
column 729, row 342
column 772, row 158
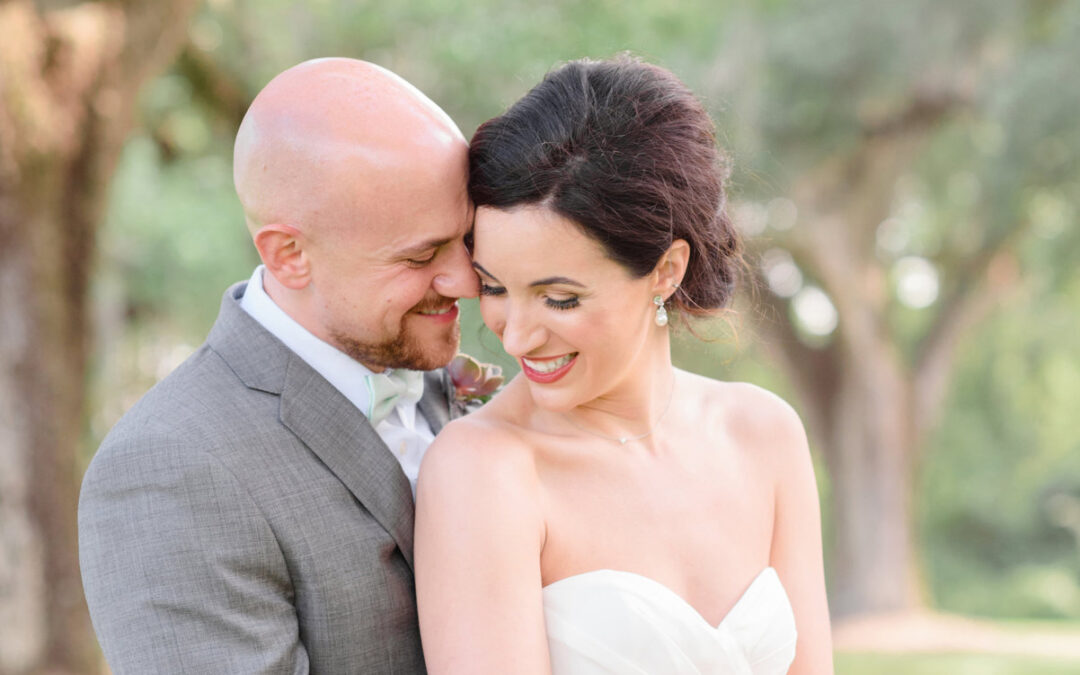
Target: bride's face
column 575, row 320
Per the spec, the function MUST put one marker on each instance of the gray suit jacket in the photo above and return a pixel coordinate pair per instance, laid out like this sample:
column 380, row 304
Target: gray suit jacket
column 244, row 517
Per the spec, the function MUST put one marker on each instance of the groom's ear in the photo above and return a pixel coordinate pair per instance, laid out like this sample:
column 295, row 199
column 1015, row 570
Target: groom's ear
column 281, row 248
column 670, row 270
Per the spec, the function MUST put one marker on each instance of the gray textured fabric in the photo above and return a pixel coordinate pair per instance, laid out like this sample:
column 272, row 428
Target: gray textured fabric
column 244, row 517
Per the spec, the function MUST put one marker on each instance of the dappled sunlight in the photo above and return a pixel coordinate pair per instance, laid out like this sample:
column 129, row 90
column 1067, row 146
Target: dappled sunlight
column 815, row 311
column 916, row 282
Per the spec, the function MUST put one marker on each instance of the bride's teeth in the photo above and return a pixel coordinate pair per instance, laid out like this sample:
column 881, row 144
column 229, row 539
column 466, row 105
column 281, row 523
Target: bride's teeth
column 549, row 366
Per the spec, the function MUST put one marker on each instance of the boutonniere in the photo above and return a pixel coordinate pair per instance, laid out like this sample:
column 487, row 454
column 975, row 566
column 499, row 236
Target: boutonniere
column 472, row 384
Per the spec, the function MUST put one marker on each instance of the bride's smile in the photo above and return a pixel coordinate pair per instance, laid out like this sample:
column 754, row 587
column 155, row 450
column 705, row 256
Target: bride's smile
column 547, row 370
column 579, row 324
column 605, row 511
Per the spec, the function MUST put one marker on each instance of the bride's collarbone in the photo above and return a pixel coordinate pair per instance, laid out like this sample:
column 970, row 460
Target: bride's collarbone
column 697, row 544
column 671, row 544
column 605, row 490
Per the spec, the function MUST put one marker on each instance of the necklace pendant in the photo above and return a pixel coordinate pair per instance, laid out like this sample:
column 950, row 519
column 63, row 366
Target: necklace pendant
column 623, row 440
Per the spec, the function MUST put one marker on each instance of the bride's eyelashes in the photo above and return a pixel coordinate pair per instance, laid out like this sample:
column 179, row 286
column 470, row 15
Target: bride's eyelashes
column 554, row 303
column 567, row 303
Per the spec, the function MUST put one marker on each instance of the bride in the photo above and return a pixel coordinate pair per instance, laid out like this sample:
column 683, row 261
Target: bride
column 607, row 512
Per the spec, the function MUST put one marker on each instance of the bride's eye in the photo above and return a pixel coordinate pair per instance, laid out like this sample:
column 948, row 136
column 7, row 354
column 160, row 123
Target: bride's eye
column 562, row 303
column 485, row 289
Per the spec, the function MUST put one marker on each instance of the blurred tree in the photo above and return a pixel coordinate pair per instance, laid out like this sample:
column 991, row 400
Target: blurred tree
column 888, row 160
column 69, row 74
column 909, row 142
column 1000, row 509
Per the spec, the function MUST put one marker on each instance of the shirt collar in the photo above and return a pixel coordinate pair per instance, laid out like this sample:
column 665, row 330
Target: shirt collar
column 339, row 369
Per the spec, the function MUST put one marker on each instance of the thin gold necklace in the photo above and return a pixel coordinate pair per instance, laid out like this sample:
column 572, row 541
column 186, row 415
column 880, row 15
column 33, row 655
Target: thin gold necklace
column 623, row 440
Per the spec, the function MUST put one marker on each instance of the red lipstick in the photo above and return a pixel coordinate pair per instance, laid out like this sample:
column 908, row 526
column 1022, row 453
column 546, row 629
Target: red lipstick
column 547, row 378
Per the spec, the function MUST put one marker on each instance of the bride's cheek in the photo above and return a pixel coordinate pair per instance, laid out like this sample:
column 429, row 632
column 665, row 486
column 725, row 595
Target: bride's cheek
column 491, row 316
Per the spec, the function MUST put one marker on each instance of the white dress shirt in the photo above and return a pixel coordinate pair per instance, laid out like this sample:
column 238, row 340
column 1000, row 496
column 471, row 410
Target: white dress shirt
column 405, row 431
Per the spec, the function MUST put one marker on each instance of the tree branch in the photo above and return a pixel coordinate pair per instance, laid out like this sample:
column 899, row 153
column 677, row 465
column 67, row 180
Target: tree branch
column 924, row 111
column 220, row 90
column 981, row 283
column 813, row 371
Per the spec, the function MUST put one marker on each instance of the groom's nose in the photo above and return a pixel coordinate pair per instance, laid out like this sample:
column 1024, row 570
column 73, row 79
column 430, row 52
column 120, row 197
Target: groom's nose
column 456, row 278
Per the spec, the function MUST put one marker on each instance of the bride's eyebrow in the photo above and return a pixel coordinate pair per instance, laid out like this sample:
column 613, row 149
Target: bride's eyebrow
column 549, row 281
column 480, row 268
column 546, row 281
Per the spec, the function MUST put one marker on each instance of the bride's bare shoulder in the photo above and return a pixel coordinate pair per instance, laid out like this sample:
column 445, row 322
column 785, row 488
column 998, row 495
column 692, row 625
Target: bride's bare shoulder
column 763, row 421
column 484, row 450
column 479, row 472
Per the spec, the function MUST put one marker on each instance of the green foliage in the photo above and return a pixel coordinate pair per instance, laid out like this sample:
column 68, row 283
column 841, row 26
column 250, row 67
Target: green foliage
column 175, row 235
column 1000, row 506
column 955, row 664
column 789, row 83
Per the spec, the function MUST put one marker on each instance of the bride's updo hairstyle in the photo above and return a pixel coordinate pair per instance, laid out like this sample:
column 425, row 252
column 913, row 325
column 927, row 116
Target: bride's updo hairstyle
column 624, row 150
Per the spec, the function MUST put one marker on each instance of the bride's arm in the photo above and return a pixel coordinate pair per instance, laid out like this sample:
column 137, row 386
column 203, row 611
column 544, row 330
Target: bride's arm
column 796, row 545
column 479, row 531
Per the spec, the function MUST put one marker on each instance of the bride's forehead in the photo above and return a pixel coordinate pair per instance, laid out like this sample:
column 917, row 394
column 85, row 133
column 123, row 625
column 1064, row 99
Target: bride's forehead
column 531, row 228
column 527, row 243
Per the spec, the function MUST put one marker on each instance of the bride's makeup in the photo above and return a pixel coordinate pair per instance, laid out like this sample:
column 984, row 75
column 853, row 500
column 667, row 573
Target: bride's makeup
column 549, row 369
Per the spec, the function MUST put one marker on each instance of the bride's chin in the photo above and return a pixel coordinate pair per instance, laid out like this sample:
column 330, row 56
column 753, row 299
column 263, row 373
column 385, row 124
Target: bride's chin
column 554, row 402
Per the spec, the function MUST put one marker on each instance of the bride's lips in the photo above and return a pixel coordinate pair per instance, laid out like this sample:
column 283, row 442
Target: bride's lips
column 547, row 377
column 440, row 315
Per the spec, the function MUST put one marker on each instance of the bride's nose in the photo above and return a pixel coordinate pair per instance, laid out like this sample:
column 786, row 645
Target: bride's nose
column 521, row 332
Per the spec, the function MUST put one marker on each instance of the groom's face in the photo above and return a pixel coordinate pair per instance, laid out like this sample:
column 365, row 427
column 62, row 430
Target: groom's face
column 387, row 280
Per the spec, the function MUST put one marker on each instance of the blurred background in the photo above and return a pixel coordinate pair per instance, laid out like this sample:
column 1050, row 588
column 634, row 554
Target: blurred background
column 906, row 175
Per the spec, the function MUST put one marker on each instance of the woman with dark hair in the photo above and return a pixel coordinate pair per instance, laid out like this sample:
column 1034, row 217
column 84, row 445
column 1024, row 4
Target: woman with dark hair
column 607, row 512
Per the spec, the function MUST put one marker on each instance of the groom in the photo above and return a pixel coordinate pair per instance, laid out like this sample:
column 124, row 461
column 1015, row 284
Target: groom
column 253, row 513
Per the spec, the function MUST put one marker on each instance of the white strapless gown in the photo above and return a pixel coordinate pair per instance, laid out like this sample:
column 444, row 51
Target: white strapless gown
column 606, row 621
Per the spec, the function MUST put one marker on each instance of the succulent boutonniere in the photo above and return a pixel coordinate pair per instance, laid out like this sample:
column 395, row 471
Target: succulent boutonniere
column 471, row 384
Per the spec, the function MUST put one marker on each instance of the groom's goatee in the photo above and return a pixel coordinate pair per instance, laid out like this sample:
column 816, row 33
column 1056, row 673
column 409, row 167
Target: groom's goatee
column 402, row 351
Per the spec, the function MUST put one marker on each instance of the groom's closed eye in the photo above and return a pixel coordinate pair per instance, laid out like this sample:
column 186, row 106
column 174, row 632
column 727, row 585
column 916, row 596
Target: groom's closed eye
column 422, row 254
column 420, row 261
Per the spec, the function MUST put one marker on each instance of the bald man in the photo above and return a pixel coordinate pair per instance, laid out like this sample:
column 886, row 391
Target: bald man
column 253, row 512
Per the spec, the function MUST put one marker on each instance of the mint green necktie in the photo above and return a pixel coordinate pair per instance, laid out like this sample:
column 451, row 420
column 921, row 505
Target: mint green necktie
column 390, row 386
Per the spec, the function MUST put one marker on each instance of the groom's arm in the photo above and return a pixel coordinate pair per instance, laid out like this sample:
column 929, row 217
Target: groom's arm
column 182, row 572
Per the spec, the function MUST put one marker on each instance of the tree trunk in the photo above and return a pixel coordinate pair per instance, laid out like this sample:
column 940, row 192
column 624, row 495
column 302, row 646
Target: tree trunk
column 867, row 410
column 68, row 80
column 854, row 395
column 869, row 450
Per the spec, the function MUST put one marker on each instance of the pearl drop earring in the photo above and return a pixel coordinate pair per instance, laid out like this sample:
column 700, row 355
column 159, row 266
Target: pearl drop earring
column 661, row 312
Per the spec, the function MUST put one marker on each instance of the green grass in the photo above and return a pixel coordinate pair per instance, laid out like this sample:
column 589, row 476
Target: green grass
column 1041, row 626
column 853, row 663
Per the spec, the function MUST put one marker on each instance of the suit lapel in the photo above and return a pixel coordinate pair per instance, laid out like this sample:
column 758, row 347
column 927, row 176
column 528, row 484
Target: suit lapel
column 433, row 404
column 321, row 417
column 343, row 439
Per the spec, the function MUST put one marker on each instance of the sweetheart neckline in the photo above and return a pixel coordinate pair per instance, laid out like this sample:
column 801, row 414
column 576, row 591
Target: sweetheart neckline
column 668, row 590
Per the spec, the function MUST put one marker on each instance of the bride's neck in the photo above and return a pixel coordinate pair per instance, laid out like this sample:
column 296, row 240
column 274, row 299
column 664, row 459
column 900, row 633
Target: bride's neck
column 636, row 404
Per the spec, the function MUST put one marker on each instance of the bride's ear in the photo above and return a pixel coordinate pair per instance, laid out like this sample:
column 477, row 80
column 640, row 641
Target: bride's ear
column 281, row 248
column 669, row 272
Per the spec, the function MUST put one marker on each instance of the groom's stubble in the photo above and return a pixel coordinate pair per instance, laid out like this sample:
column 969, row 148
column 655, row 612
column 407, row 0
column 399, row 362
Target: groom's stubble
column 404, row 350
